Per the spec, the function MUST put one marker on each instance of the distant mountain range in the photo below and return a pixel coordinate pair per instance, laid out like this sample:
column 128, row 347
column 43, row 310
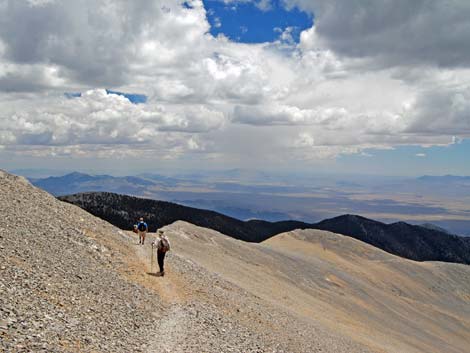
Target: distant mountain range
column 147, row 183
column 79, row 182
column 444, row 179
column 421, row 243
column 244, row 195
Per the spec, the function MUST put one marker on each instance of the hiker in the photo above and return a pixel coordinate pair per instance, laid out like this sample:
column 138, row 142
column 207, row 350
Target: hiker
column 163, row 245
column 142, row 230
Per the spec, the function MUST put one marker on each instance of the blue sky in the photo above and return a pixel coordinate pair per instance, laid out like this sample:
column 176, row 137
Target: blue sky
column 364, row 89
column 245, row 22
column 133, row 97
column 412, row 160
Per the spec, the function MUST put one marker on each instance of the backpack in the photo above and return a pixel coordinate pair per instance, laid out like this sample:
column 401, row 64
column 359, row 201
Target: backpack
column 164, row 245
column 142, row 227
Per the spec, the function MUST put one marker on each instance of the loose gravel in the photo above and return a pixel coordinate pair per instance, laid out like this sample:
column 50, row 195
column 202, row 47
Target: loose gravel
column 70, row 282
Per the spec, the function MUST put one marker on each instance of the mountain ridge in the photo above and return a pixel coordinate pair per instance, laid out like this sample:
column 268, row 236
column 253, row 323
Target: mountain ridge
column 123, row 211
column 400, row 238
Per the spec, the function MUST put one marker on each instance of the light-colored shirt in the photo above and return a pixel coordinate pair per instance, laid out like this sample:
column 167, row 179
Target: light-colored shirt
column 159, row 243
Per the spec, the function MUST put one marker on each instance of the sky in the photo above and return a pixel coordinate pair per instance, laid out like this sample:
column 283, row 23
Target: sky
column 354, row 87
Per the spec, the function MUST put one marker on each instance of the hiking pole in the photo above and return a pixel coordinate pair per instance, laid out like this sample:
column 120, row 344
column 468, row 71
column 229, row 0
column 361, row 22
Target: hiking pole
column 151, row 260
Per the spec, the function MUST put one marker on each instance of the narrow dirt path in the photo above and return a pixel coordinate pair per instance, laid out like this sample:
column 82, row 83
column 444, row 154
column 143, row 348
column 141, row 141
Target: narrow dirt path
column 172, row 328
column 171, row 331
column 169, row 287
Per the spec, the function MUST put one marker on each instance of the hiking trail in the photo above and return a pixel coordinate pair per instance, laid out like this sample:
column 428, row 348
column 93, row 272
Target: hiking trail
column 172, row 328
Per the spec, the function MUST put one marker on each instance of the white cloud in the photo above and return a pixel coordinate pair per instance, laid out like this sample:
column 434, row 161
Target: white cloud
column 263, row 5
column 444, row 109
column 272, row 114
column 305, row 140
column 98, row 118
column 363, row 77
column 40, row 2
column 400, row 32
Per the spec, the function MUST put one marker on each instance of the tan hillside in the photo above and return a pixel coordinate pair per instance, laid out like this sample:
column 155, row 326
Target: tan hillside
column 70, row 282
column 343, row 286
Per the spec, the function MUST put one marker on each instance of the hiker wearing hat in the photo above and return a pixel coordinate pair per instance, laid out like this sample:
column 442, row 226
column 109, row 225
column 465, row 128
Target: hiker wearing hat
column 142, row 230
column 163, row 245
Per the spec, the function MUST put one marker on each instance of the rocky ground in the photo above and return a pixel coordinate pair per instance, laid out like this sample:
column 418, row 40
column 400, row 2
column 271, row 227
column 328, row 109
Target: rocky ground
column 210, row 314
column 70, row 282
column 312, row 291
column 61, row 287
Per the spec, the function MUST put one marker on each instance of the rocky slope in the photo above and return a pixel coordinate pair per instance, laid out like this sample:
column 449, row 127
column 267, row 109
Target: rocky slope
column 70, row 282
column 340, row 289
column 63, row 286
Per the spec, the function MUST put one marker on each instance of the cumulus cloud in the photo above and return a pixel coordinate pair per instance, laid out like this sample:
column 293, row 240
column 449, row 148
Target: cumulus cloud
column 399, row 32
column 305, row 140
column 272, row 114
column 443, row 109
column 101, row 118
column 93, row 43
column 365, row 75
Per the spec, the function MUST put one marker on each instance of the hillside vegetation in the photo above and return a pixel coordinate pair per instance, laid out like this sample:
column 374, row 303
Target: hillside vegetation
column 409, row 241
column 123, row 211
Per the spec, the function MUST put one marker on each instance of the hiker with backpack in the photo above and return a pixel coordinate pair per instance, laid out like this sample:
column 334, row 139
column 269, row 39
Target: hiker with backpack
column 142, row 230
column 163, row 246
